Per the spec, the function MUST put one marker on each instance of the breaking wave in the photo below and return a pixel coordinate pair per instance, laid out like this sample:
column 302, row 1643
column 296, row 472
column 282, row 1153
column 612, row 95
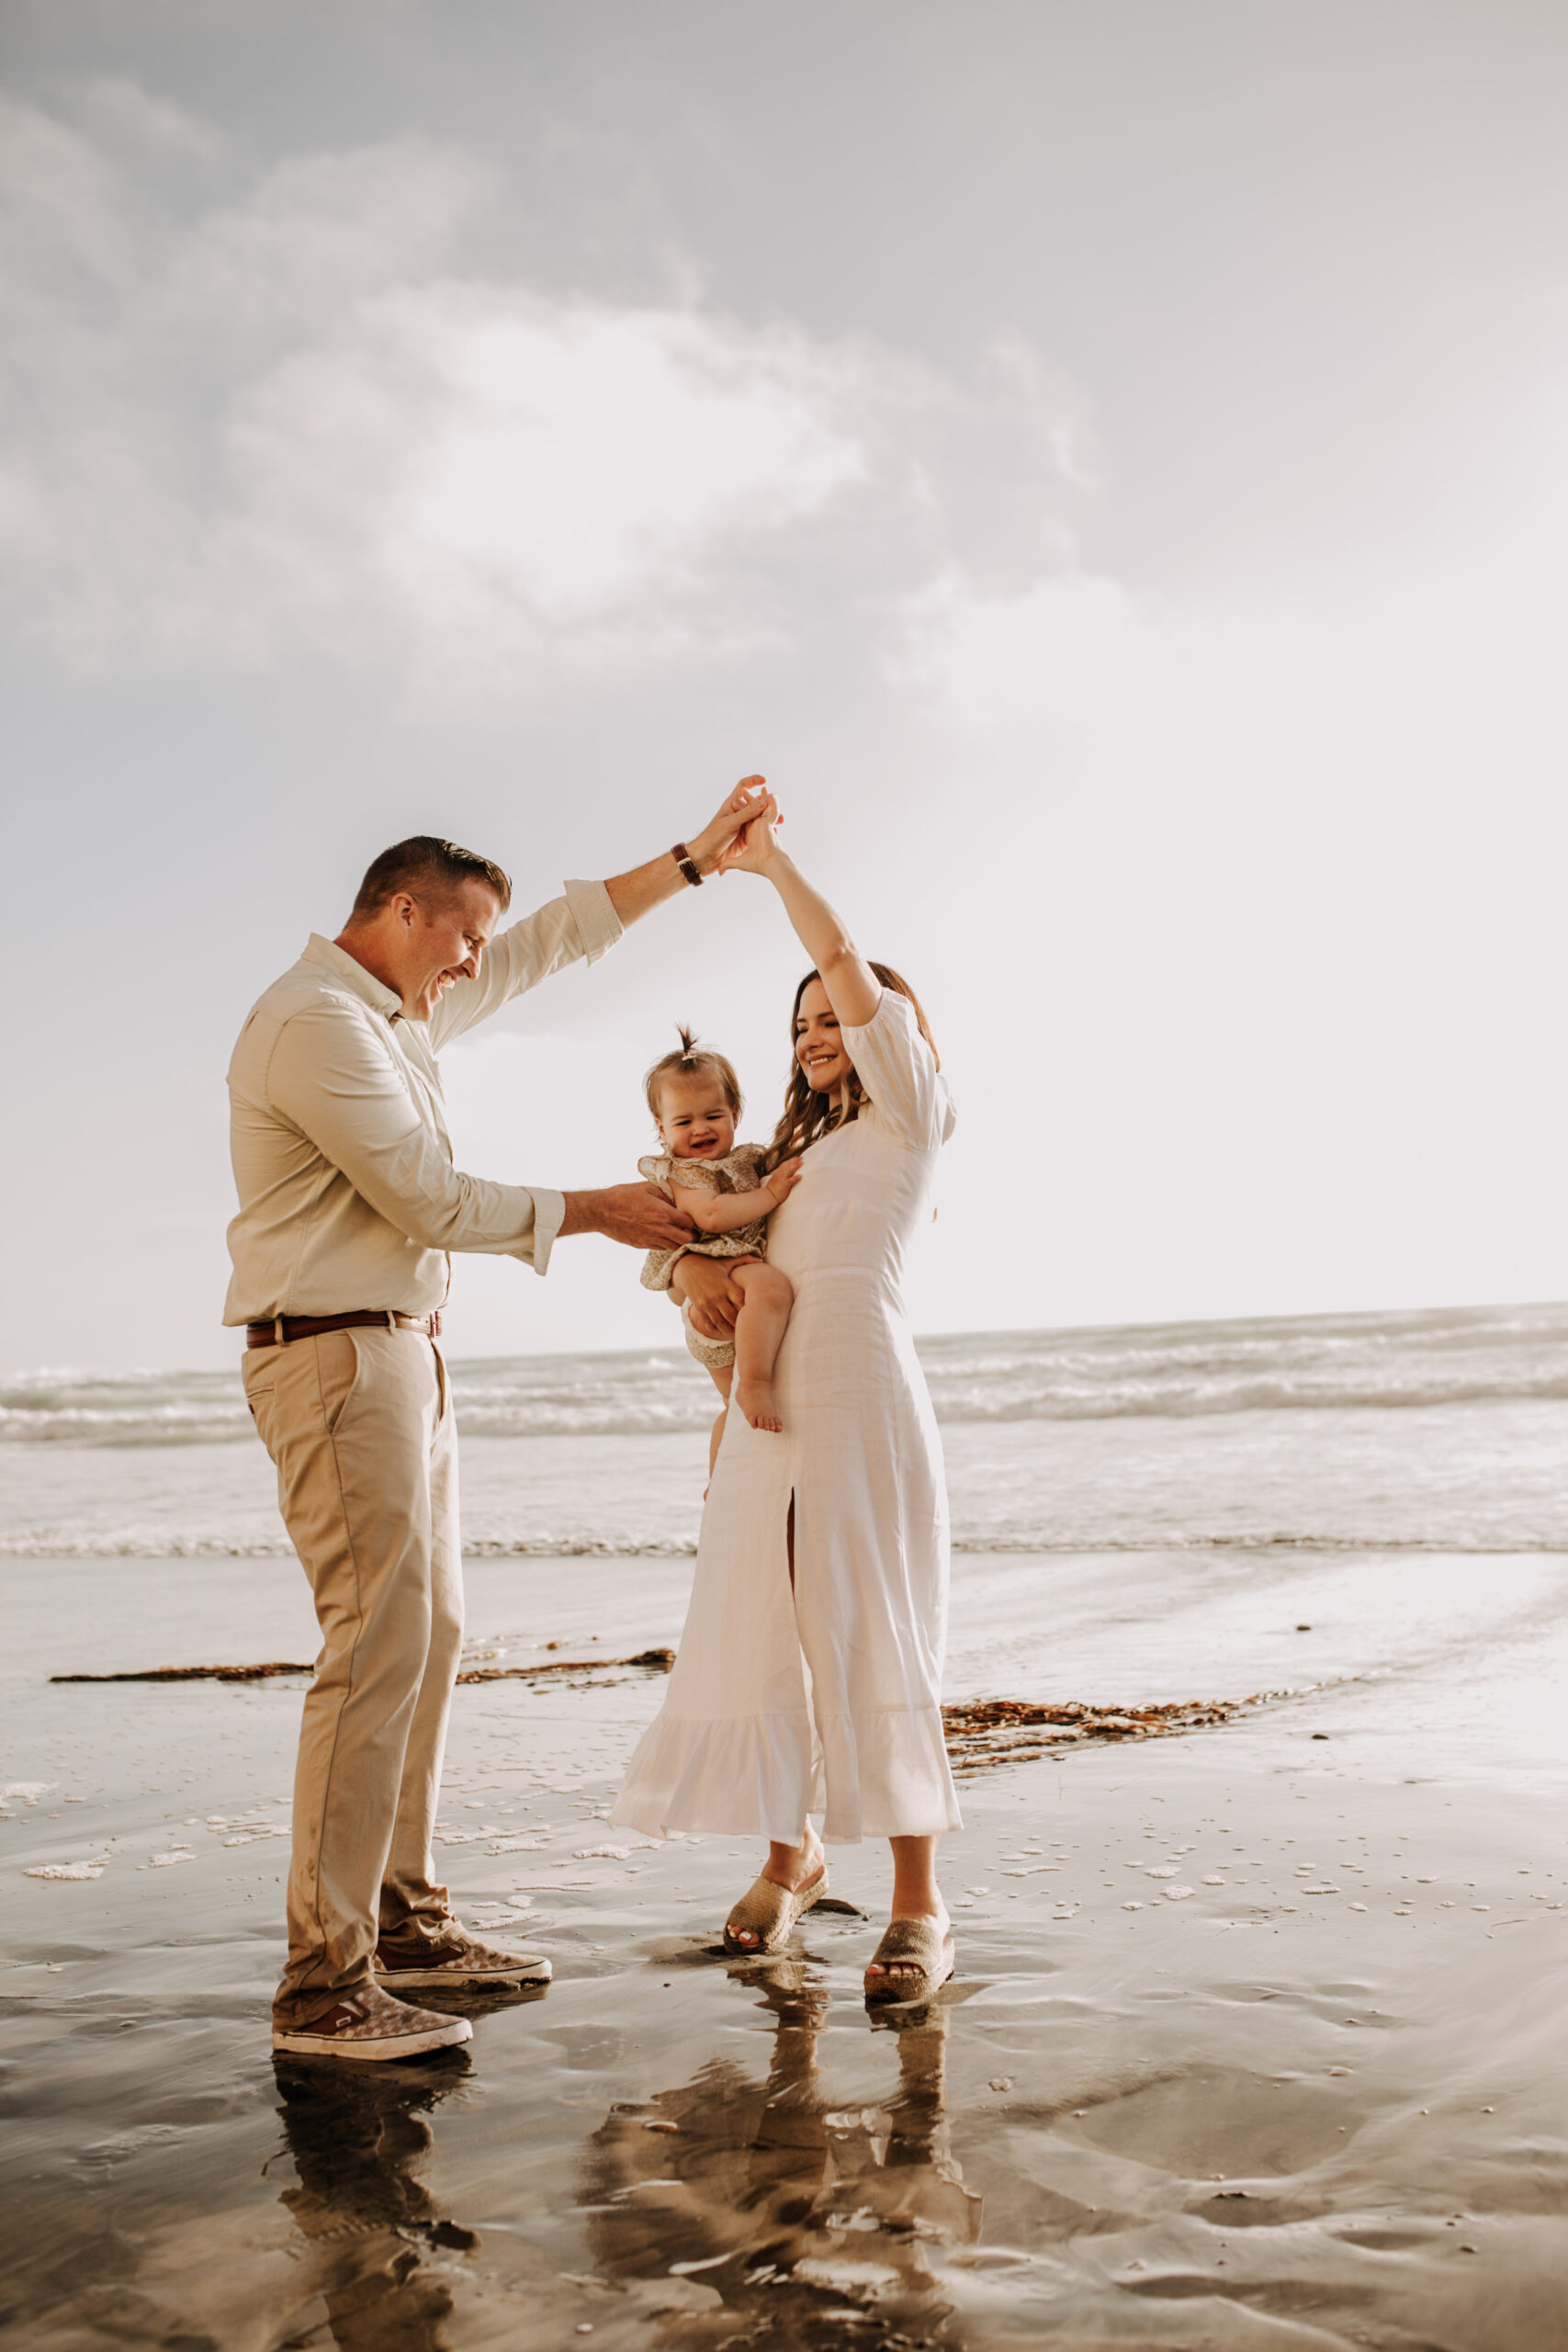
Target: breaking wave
column 1379, row 1362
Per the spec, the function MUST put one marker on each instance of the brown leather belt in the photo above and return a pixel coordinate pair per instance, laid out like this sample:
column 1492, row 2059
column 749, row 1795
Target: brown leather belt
column 285, row 1327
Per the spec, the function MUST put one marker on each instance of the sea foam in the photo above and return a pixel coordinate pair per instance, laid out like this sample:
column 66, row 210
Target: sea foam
column 1376, row 1361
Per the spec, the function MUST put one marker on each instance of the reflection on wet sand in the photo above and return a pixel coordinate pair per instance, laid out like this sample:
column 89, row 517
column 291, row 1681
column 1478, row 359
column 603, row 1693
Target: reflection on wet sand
column 360, row 2141
column 792, row 2216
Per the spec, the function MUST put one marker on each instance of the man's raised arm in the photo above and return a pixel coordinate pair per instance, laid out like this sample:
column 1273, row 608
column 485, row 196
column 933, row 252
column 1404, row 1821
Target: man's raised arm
column 587, row 919
column 647, row 886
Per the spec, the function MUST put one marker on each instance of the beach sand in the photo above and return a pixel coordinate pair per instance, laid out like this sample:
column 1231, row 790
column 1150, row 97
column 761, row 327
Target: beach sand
column 1255, row 2041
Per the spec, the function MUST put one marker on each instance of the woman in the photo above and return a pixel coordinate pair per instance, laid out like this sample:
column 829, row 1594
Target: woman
column 808, row 1678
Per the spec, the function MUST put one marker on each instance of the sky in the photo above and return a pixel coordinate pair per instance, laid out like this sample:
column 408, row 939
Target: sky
column 1107, row 466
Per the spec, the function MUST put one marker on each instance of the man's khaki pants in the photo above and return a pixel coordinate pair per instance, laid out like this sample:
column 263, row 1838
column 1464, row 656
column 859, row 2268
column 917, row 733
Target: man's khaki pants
column 360, row 1426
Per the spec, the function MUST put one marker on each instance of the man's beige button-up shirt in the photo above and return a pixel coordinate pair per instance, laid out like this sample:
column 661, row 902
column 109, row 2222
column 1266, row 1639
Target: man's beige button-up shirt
column 348, row 1197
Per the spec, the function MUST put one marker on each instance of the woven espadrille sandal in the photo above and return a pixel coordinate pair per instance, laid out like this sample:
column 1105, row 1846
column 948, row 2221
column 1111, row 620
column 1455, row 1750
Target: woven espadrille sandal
column 924, row 1954
column 770, row 1912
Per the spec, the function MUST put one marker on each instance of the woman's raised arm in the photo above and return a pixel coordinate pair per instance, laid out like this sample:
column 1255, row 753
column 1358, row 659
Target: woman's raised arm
column 854, row 989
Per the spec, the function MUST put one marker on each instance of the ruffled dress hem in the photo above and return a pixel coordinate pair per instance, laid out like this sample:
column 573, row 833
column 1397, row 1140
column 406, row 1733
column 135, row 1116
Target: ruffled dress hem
column 882, row 1774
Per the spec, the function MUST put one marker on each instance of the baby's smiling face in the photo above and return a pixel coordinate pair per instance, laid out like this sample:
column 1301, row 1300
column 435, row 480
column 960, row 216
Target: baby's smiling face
column 695, row 1120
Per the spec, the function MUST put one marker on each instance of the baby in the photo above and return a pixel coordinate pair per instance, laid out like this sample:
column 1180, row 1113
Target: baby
column 696, row 1100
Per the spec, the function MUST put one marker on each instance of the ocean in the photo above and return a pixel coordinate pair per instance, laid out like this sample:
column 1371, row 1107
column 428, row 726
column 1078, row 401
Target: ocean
column 1441, row 1430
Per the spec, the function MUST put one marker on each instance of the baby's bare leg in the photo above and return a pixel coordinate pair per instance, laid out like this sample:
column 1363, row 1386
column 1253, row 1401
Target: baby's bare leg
column 759, row 1332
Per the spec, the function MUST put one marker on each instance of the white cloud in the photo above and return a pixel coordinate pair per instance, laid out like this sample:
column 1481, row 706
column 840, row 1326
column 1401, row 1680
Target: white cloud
column 581, row 450
column 63, row 219
column 485, row 479
column 1054, row 656
column 120, row 108
column 296, row 424
column 242, row 286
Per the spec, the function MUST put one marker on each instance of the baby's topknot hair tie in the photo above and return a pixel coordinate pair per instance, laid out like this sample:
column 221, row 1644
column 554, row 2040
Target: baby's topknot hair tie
column 690, row 1058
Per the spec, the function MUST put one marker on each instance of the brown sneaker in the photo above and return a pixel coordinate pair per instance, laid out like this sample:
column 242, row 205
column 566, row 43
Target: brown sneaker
column 368, row 2023
column 458, row 1959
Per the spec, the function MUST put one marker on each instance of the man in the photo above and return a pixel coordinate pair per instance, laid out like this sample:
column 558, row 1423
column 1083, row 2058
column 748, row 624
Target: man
column 349, row 1204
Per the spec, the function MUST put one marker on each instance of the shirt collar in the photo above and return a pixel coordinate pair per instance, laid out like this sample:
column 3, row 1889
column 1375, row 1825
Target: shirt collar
column 329, row 957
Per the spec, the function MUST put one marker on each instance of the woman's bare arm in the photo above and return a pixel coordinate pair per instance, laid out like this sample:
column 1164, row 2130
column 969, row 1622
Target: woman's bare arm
column 854, row 989
column 722, row 1212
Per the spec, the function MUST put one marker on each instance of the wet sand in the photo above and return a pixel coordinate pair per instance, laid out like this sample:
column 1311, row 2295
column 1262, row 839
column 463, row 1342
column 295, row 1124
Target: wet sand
column 1255, row 2041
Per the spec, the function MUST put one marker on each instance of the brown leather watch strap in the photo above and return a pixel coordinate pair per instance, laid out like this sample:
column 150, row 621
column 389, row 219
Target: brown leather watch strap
column 687, row 864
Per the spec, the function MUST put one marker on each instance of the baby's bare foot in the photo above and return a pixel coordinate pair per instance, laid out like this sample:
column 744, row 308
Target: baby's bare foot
column 755, row 1399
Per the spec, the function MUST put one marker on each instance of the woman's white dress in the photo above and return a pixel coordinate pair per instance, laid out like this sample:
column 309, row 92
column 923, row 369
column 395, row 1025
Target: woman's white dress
column 828, row 1699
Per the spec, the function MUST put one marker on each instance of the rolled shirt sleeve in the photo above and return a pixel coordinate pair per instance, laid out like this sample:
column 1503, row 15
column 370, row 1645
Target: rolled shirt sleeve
column 550, row 1216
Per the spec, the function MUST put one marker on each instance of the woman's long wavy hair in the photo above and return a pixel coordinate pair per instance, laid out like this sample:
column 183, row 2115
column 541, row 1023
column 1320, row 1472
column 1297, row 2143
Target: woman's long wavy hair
column 807, row 1116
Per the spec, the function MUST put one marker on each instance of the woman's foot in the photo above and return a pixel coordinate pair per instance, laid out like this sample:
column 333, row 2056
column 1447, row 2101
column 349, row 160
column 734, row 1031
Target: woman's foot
column 794, row 1868
column 755, row 1399
column 891, row 1977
